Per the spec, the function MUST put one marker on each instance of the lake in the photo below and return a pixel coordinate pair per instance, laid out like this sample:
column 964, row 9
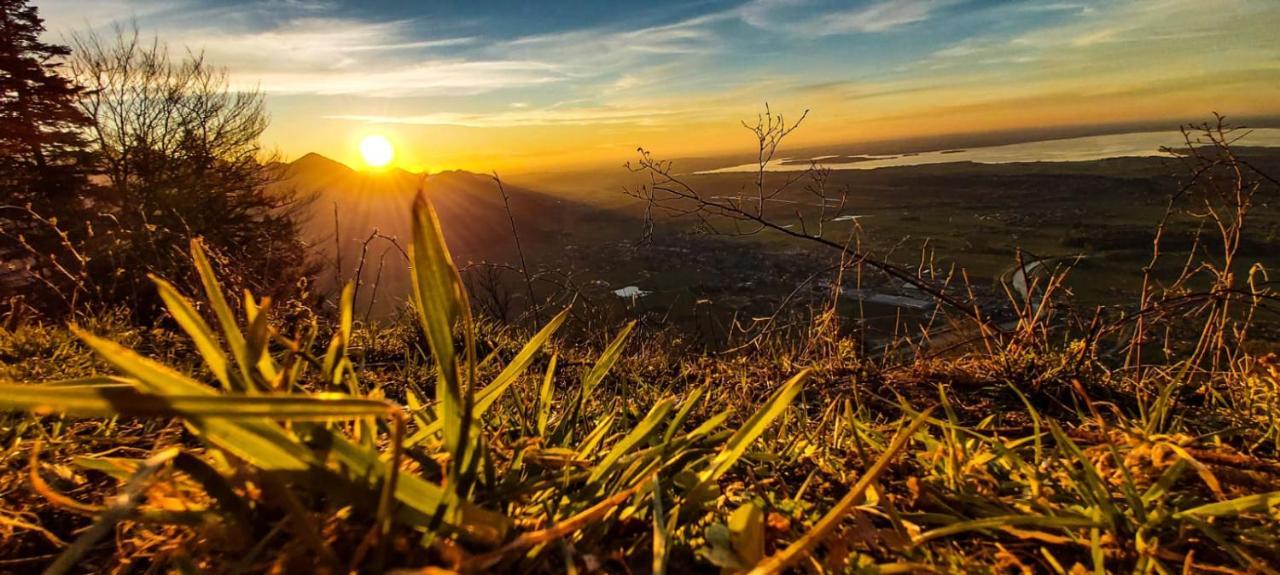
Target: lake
column 1060, row 150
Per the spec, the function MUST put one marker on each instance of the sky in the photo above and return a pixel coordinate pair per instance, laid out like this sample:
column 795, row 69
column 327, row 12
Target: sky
column 538, row 85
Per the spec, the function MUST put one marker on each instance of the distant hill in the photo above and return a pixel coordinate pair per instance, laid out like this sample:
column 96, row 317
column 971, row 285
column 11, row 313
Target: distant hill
column 349, row 205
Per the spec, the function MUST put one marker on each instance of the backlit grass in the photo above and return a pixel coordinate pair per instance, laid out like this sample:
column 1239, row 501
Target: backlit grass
column 242, row 445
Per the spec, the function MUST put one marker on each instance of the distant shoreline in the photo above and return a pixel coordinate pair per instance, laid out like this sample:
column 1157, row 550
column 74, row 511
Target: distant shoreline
column 1079, row 149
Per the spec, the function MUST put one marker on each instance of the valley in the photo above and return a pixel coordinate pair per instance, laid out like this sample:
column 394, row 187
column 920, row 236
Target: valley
column 587, row 242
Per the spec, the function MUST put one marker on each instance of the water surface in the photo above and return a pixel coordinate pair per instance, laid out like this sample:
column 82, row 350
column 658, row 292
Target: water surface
column 1138, row 144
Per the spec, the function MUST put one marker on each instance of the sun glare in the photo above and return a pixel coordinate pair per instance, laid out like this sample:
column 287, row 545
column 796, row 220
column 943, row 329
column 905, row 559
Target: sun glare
column 376, row 151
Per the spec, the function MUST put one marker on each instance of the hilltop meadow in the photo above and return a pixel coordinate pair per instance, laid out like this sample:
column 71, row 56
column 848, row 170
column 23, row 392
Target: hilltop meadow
column 217, row 360
column 241, row 435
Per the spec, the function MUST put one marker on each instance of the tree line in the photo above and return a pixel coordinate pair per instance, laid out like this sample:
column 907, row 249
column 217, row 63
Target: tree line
column 116, row 154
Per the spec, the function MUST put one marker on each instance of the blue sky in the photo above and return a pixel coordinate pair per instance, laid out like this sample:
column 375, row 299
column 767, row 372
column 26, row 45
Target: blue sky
column 472, row 83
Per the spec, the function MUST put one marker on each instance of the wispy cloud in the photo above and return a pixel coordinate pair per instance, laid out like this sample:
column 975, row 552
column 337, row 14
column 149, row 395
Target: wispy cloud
column 523, row 117
column 723, row 105
column 306, row 50
column 805, row 17
column 1120, row 37
column 310, row 44
column 305, row 47
column 428, row 78
column 879, row 17
column 63, row 16
column 616, row 50
column 1079, row 7
column 1152, row 20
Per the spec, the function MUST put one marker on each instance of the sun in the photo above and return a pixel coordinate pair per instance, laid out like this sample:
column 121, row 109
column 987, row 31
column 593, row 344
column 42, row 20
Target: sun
column 376, row 151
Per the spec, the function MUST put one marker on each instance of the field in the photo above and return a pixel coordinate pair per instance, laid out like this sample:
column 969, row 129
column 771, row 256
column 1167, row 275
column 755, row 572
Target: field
column 1096, row 218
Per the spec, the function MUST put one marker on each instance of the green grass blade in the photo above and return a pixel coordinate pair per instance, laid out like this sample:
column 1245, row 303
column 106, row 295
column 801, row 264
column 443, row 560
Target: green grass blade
column 800, row 548
column 333, row 355
column 486, row 397
column 336, row 353
column 345, row 313
column 260, row 442
column 661, row 535
column 606, row 360
column 711, row 424
column 268, row 446
column 222, row 311
column 197, row 329
column 421, row 501
column 256, row 345
column 161, row 378
column 1248, row 504
column 641, row 432
column 1003, row 521
column 93, row 381
column 107, row 401
column 440, row 302
column 593, row 439
column 545, row 395
column 1092, row 487
column 518, row 365
column 683, row 415
column 754, row 427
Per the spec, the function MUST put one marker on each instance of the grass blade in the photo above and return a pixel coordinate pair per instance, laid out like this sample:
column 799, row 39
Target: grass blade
column 606, row 360
column 779, row 562
column 1003, row 521
column 641, row 432
column 1247, row 504
column 222, row 311
column 487, row 396
column 593, row 439
column 421, row 501
column 258, row 441
column 754, row 427
column 256, row 345
column 108, row 401
column 681, row 416
column 441, row 303
column 200, row 333
column 513, row 370
column 545, row 396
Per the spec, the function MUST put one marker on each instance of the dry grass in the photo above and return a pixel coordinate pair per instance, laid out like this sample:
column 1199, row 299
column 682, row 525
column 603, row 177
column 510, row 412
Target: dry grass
column 1139, row 439
column 247, row 449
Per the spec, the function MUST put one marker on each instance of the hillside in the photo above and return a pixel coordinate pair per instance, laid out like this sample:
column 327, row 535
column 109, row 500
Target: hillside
column 349, row 206
column 581, row 245
column 643, row 457
column 976, row 216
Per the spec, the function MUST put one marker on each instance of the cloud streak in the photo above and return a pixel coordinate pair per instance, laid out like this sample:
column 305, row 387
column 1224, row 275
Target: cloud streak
column 428, row 78
column 527, row 118
column 296, row 47
column 807, row 18
column 315, row 44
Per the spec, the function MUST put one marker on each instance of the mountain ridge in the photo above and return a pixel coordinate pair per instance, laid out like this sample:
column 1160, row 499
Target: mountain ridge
column 352, row 214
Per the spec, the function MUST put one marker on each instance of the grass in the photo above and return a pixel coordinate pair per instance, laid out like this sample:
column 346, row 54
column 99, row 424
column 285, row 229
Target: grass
column 237, row 445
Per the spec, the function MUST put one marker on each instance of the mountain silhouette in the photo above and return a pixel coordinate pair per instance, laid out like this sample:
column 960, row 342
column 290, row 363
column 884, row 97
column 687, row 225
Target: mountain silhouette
column 348, row 207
